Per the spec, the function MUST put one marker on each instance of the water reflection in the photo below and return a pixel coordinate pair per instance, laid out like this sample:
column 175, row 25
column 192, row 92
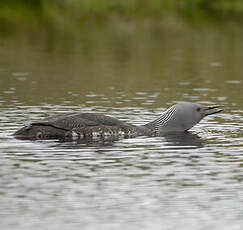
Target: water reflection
column 184, row 140
column 88, row 142
column 148, row 57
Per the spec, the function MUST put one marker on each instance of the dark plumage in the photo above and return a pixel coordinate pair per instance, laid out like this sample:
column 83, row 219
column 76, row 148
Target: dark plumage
column 80, row 125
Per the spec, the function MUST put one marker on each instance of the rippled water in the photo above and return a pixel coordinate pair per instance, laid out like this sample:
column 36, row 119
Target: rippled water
column 187, row 181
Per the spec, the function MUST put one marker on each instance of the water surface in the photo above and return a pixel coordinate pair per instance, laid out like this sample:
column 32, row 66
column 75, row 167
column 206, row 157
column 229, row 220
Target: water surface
column 132, row 71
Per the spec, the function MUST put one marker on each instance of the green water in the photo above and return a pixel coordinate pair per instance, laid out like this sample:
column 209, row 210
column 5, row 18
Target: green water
column 167, row 56
column 44, row 10
column 132, row 70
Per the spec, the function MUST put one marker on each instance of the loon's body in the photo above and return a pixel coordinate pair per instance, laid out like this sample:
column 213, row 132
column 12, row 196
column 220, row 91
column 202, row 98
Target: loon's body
column 178, row 118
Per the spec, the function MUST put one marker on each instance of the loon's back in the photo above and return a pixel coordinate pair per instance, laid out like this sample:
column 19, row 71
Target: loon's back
column 80, row 124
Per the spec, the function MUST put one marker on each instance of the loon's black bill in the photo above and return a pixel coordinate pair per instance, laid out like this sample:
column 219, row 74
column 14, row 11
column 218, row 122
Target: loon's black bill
column 214, row 111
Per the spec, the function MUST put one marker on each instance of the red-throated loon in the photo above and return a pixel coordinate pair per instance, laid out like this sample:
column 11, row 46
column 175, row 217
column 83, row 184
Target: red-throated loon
column 178, row 118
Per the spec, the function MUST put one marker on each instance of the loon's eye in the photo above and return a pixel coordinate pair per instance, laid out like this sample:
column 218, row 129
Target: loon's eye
column 198, row 109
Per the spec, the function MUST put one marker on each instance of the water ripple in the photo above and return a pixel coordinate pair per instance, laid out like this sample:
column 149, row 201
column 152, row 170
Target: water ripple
column 189, row 175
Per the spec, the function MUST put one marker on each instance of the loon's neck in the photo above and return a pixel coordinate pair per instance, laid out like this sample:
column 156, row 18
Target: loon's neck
column 165, row 123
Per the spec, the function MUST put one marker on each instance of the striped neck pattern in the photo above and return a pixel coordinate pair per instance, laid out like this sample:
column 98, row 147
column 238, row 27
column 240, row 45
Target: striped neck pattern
column 163, row 121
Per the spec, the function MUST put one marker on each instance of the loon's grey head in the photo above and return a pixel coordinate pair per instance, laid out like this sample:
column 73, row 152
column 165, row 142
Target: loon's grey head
column 183, row 116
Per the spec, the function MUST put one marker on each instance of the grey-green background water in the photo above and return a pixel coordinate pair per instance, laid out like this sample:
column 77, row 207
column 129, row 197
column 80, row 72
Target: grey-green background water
column 132, row 70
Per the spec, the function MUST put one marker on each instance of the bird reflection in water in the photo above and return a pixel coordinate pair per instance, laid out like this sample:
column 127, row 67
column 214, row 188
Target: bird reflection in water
column 182, row 140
